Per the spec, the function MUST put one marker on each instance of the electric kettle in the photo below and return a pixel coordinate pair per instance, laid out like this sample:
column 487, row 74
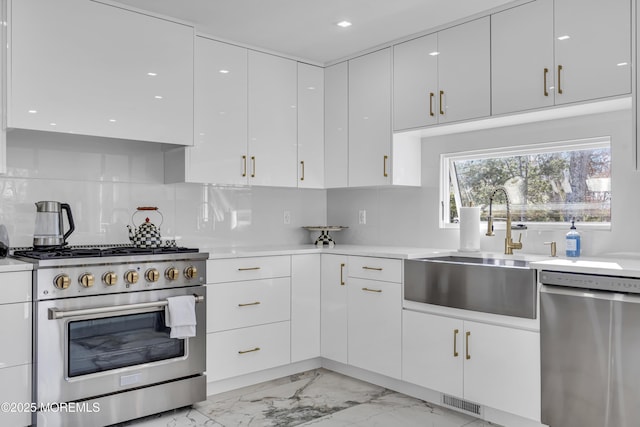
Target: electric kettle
column 49, row 225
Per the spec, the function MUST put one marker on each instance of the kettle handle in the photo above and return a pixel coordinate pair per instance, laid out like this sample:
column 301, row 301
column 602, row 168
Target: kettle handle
column 147, row 208
column 72, row 226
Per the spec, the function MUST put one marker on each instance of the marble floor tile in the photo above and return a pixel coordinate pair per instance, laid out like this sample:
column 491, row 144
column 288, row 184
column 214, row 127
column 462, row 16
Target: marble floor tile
column 317, row 398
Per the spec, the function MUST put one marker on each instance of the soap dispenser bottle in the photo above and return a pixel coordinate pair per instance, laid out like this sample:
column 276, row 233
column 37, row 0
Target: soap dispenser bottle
column 573, row 241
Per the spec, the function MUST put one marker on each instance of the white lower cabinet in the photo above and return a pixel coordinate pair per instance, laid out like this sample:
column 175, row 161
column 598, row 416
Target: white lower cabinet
column 374, row 326
column 16, row 354
column 333, row 303
column 305, row 307
column 242, row 351
column 495, row 366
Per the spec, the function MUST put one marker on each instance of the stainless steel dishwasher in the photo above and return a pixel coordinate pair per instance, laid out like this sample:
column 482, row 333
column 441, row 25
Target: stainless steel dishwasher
column 590, row 350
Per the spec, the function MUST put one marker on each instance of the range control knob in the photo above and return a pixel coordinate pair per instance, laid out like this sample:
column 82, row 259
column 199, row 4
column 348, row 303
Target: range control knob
column 190, row 272
column 152, row 275
column 110, row 278
column 131, row 277
column 61, row 281
column 172, row 273
column 86, row 280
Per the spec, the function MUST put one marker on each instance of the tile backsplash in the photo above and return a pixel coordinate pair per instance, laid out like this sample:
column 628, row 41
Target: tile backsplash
column 105, row 180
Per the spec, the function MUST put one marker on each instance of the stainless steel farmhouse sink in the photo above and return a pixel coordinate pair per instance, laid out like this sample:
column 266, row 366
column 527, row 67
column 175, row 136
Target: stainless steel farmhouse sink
column 491, row 285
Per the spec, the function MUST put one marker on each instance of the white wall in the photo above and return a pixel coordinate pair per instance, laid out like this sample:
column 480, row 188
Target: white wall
column 409, row 216
column 104, row 180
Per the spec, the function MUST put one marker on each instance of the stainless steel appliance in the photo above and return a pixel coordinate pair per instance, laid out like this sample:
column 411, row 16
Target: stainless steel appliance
column 100, row 341
column 49, row 224
column 590, row 348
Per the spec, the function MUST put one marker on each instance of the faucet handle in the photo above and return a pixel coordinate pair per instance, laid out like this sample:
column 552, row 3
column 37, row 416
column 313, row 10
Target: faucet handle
column 553, row 248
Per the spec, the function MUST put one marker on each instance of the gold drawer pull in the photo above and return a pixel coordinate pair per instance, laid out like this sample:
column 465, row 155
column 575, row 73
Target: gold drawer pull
column 545, row 72
column 302, row 165
column 372, row 268
column 431, row 95
column 244, row 166
column 342, row 265
column 249, row 303
column 384, row 166
column 253, row 166
column 467, row 345
column 559, row 75
column 248, row 268
column 455, row 342
column 372, row 290
column 248, row 351
column 441, row 110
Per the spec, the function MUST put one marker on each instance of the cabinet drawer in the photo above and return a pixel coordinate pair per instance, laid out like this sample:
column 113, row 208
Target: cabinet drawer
column 19, row 391
column 16, row 287
column 385, row 269
column 237, row 269
column 16, row 335
column 241, row 304
column 241, row 351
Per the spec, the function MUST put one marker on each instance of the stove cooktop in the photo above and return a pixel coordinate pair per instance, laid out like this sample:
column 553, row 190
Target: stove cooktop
column 95, row 251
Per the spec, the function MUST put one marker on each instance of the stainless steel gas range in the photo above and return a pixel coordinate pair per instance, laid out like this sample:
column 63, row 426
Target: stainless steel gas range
column 102, row 352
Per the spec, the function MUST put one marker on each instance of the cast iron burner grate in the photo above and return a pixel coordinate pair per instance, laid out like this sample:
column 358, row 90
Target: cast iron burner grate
column 92, row 252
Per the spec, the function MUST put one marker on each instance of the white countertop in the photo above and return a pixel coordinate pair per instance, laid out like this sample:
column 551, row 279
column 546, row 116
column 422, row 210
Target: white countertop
column 10, row 264
column 622, row 264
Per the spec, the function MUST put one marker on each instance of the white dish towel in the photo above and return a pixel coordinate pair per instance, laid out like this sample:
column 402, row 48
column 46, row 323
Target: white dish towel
column 180, row 316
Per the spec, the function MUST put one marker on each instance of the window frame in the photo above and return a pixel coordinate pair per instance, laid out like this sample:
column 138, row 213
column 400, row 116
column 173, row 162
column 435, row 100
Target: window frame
column 448, row 177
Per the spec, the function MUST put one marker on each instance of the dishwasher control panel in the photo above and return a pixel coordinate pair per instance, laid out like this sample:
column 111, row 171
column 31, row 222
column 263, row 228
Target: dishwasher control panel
column 591, row 281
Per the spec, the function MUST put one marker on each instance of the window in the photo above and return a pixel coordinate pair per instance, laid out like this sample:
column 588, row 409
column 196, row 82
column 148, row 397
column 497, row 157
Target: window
column 546, row 183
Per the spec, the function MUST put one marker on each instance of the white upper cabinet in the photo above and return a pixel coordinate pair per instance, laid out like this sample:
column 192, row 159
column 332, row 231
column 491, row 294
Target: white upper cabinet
column 592, row 49
column 522, row 65
column 220, row 149
column 310, row 126
column 336, row 125
column 443, row 77
column 370, row 119
column 89, row 68
column 273, row 149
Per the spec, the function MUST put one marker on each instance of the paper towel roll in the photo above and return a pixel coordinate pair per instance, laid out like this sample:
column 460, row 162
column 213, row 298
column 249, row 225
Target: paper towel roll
column 470, row 229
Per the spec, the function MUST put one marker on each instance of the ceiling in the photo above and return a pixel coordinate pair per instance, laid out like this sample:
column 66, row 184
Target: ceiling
column 305, row 29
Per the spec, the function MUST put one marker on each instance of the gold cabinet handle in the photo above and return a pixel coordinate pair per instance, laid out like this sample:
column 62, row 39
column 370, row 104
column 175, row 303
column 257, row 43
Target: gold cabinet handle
column 546, row 71
column 559, row 73
column 342, row 265
column 372, row 268
column 431, row 95
column 384, row 166
column 455, row 342
column 244, row 165
column 372, row 290
column 253, row 166
column 248, row 268
column 249, row 304
column 466, row 345
column 248, row 351
column 441, row 95
column 302, row 165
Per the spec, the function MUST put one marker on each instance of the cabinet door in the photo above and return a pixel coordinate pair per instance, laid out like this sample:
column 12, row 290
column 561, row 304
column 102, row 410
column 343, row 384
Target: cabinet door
column 374, row 325
column 16, row 388
column 503, row 368
column 522, row 70
column 273, row 150
column 415, row 83
column 433, row 352
column 310, row 126
column 595, row 64
column 464, row 71
column 17, row 336
column 305, row 307
column 370, row 119
column 219, row 154
column 73, row 70
column 333, row 303
column 336, row 125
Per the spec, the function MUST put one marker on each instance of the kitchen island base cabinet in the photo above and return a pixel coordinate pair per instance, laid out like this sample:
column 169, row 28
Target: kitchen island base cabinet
column 242, row 351
column 490, row 365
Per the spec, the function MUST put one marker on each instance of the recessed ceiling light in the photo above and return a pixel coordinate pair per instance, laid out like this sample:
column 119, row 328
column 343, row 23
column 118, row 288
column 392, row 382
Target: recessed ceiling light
column 33, row 111
column 622, row 64
column 434, row 53
column 158, row 97
column 112, row 120
column 224, row 71
column 53, row 124
column 565, row 37
column 344, row 24
column 152, row 74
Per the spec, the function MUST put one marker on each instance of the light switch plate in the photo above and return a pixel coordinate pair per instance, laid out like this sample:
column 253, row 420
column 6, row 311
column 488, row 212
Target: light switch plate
column 362, row 217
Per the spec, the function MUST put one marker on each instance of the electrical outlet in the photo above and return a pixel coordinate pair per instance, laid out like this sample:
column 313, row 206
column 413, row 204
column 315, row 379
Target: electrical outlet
column 362, row 217
column 287, row 217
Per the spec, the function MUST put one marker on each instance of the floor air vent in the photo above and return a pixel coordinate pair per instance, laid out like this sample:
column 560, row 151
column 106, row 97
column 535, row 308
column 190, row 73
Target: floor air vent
column 463, row 405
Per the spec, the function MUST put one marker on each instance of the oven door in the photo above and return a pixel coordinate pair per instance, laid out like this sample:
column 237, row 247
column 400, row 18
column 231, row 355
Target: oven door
column 92, row 346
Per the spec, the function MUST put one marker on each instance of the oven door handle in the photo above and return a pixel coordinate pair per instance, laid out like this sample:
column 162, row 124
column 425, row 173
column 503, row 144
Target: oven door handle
column 55, row 314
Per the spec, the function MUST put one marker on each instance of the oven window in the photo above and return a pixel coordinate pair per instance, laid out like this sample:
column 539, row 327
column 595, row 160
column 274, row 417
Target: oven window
column 98, row 345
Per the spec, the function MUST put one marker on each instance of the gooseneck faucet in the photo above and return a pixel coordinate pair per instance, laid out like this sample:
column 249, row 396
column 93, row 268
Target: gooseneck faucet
column 509, row 244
